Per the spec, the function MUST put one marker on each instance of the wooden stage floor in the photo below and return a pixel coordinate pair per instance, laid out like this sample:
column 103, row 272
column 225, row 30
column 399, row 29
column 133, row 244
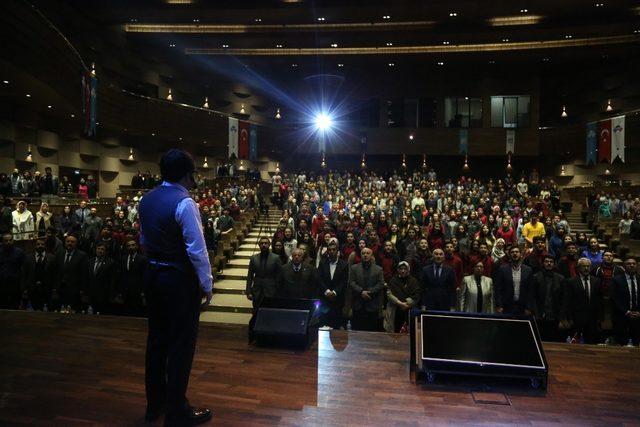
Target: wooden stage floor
column 81, row 370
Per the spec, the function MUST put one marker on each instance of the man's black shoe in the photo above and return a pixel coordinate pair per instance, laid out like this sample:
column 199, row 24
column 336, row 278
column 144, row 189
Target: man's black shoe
column 192, row 417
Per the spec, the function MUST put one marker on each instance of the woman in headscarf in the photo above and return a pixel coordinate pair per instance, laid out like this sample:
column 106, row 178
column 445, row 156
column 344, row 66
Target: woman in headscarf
column 403, row 293
column 23, row 223
column 498, row 253
column 43, row 219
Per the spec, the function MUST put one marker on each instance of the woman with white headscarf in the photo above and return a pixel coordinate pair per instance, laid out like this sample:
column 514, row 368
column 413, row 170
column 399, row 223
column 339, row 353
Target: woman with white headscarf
column 23, row 222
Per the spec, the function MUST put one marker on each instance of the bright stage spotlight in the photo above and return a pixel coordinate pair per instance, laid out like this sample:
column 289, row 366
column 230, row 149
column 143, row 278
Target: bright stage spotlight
column 323, row 122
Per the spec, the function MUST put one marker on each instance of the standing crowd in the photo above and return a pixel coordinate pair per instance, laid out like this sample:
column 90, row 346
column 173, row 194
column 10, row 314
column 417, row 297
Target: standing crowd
column 374, row 246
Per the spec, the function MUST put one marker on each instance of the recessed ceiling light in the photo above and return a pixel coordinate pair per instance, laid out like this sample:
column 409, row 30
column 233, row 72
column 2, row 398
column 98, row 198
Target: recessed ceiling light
column 224, row 46
column 386, row 16
column 445, row 42
column 5, row 82
column 568, row 36
column 204, row 142
column 546, row 59
column 180, row 139
column 440, row 63
column 321, row 18
column 49, row 106
column 196, row 20
column 505, row 40
column 453, row 14
column 634, row 32
column 258, row 20
column 389, row 44
column 172, row 45
column 334, row 44
column 278, row 45
column 340, row 65
column 294, row 65
column 491, row 61
column 153, row 134
column 524, row 10
column 73, row 116
column 466, row 98
column 28, row 95
column 391, row 64
column 599, row 4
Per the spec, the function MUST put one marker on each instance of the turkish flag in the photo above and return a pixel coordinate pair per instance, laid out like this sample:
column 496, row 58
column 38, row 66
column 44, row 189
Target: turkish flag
column 243, row 140
column 604, row 141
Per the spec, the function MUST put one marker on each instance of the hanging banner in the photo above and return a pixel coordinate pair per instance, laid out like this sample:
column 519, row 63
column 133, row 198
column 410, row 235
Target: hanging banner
column 233, row 137
column 463, row 145
column 253, row 142
column 89, row 102
column 592, row 143
column 617, row 138
column 243, row 140
column 604, row 141
column 511, row 141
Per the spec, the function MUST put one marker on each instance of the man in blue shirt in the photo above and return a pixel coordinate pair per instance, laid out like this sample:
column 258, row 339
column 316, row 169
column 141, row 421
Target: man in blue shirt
column 178, row 277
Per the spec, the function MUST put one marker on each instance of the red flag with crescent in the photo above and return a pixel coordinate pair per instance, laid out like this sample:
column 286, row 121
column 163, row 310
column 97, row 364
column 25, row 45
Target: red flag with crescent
column 604, row 141
column 243, row 140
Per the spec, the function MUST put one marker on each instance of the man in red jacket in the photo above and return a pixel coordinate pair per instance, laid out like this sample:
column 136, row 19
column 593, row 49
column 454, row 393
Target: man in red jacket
column 452, row 260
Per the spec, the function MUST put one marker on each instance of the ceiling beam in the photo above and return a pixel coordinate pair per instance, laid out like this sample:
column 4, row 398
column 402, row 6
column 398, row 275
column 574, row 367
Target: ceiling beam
column 441, row 49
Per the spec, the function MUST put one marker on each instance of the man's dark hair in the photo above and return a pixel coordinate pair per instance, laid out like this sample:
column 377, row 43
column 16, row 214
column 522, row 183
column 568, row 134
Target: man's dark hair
column 547, row 256
column 175, row 164
column 537, row 239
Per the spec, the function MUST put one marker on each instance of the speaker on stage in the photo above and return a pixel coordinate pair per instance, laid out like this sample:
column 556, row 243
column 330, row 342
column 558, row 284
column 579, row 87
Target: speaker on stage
column 471, row 344
column 286, row 322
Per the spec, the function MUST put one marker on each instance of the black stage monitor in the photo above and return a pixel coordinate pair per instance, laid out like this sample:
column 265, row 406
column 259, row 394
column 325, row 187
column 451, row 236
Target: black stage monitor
column 477, row 344
column 286, row 322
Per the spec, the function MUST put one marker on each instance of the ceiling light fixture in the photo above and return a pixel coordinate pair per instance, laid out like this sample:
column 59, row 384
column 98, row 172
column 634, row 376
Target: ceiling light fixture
column 340, row 65
column 505, row 40
column 206, row 163
column 334, row 44
column 242, row 109
column 389, row 44
column 278, row 116
column 609, row 106
column 524, row 10
column 568, row 36
column 28, row 95
column 503, row 21
column 206, row 102
column 441, row 63
column 172, row 45
column 599, row 4
column 279, row 46
column 5, row 82
column 391, row 64
column 321, row 18
column 49, row 106
column 29, row 156
column 73, row 116
column 386, row 16
column 294, row 65
column 411, row 136
column 453, row 14
column 224, row 46
column 445, row 42
column 564, row 112
column 169, row 96
column 131, row 154
column 258, row 20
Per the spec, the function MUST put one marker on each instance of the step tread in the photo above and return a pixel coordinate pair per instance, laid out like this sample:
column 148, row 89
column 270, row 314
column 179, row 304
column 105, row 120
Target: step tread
column 230, row 284
column 230, row 300
column 225, row 317
column 244, row 262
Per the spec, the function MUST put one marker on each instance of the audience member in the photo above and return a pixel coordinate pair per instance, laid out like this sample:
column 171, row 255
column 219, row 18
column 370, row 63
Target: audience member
column 476, row 292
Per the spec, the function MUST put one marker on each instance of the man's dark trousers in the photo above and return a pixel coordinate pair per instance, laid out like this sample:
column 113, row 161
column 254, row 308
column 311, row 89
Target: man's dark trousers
column 173, row 297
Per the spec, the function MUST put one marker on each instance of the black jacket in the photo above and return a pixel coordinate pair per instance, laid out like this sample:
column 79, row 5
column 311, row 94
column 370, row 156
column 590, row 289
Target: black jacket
column 300, row 284
column 539, row 295
column 504, row 290
column 338, row 284
column 580, row 308
column 438, row 293
column 262, row 281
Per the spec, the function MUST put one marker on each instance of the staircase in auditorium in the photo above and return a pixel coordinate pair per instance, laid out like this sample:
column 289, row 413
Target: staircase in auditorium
column 229, row 303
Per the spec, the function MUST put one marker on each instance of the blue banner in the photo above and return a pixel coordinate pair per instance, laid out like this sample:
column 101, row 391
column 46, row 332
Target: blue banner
column 592, row 143
column 253, row 142
column 463, row 148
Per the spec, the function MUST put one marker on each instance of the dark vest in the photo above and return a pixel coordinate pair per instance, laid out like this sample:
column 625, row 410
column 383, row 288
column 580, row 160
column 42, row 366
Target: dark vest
column 162, row 236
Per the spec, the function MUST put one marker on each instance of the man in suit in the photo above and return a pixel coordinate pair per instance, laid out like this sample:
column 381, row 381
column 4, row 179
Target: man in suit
column 367, row 284
column 583, row 303
column 333, row 275
column 130, row 293
column 438, row 283
column 36, row 276
column 546, row 299
column 476, row 293
column 11, row 260
column 82, row 212
column 91, row 229
column 513, row 285
column 298, row 279
column 626, row 304
column 72, row 268
column 102, row 276
column 264, row 270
